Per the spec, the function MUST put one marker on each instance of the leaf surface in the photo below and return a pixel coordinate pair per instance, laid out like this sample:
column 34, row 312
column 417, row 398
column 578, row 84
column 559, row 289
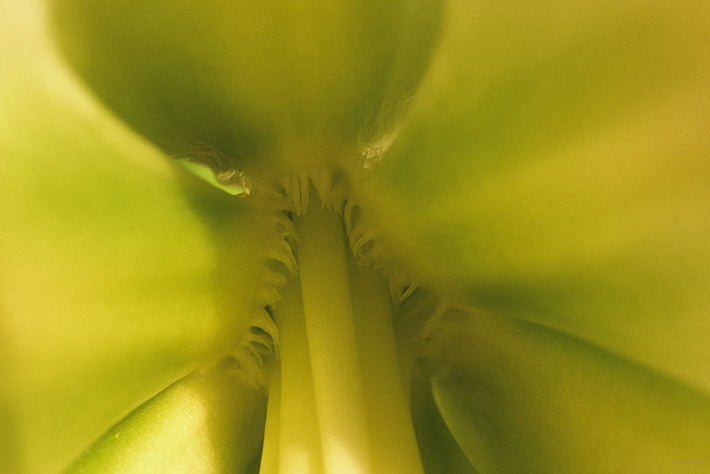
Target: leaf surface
column 112, row 278
column 554, row 169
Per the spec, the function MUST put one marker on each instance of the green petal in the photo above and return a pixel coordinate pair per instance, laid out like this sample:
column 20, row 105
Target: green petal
column 555, row 169
column 522, row 398
column 111, row 284
column 269, row 81
column 204, row 423
column 438, row 449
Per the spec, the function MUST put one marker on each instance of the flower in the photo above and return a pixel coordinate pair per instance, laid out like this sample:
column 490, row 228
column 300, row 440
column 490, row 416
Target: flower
column 541, row 168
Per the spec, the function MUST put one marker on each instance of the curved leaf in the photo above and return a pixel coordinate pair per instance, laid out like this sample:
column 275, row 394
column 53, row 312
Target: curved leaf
column 206, row 422
column 111, row 283
column 439, row 450
column 555, row 169
column 522, row 398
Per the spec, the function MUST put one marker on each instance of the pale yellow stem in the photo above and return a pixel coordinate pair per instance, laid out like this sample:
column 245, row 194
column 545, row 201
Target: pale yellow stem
column 393, row 445
column 300, row 444
column 332, row 342
column 270, row 449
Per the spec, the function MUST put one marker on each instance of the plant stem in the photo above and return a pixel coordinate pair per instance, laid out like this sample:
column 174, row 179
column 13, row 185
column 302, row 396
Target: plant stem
column 299, row 443
column 270, row 448
column 393, row 445
column 332, row 343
